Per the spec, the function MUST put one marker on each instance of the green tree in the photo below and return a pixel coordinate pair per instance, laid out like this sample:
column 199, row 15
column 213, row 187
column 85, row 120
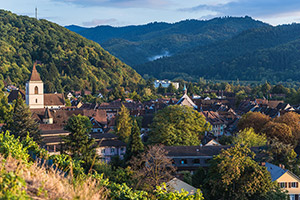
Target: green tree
column 5, row 108
column 21, row 124
column 171, row 88
column 178, row 125
column 78, row 143
column 123, row 128
column 235, row 175
column 161, row 89
column 135, row 144
column 265, row 88
column 250, row 138
column 278, row 152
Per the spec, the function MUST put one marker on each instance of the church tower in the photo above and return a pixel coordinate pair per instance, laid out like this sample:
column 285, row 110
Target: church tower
column 35, row 90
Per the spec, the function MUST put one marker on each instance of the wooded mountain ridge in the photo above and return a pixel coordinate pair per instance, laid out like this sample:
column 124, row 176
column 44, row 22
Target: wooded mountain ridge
column 66, row 60
column 227, row 48
column 139, row 44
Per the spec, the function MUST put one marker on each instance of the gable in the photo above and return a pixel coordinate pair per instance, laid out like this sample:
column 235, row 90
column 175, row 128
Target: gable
column 288, row 177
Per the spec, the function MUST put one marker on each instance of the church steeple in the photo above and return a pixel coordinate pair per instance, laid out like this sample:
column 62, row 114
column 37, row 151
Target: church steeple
column 34, row 74
column 35, row 90
column 185, row 89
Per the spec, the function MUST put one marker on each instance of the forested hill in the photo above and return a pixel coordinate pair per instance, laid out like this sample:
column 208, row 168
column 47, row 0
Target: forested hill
column 67, row 60
column 268, row 53
column 139, row 44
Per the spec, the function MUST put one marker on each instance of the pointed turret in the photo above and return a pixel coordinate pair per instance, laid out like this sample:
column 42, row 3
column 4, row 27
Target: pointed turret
column 48, row 119
column 184, row 89
column 34, row 74
column 185, row 100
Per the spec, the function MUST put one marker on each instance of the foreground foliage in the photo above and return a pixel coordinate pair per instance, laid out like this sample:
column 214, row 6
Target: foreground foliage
column 234, row 174
column 61, row 177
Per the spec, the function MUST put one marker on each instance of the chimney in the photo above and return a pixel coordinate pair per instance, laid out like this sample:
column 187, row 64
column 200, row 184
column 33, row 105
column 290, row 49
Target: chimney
column 281, row 166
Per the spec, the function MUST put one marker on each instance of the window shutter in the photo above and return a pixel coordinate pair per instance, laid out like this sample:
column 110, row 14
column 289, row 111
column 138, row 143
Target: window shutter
column 285, row 184
column 290, row 184
column 296, row 184
column 278, row 184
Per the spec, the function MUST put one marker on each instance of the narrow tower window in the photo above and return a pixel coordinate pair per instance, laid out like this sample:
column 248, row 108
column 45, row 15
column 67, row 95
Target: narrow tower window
column 35, row 100
column 36, row 90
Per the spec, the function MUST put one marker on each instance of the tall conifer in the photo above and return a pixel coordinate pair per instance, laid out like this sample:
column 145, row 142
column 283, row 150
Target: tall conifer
column 123, row 128
column 21, row 122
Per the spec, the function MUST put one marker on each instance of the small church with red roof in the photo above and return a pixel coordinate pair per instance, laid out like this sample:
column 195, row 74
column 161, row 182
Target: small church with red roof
column 35, row 96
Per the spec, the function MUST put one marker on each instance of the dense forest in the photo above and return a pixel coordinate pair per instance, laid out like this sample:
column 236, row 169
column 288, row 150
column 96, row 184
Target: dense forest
column 268, row 53
column 139, row 44
column 66, row 60
column 228, row 48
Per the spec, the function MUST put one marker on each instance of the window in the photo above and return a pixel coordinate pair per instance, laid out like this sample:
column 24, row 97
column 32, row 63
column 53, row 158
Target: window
column 112, row 150
column 196, row 161
column 282, row 184
column 103, row 151
column 292, row 197
column 36, row 100
column 293, row 184
column 183, row 161
column 207, row 161
column 36, row 90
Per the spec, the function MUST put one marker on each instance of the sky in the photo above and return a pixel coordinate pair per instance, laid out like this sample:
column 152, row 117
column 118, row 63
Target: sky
column 90, row 13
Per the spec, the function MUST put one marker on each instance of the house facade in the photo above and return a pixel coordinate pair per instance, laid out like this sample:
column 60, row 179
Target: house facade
column 286, row 180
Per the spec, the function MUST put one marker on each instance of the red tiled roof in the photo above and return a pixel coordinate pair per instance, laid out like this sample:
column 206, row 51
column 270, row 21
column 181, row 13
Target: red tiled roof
column 54, row 99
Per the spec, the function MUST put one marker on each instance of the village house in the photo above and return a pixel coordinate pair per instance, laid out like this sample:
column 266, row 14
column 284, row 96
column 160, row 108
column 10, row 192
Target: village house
column 165, row 84
column 286, row 180
column 217, row 122
column 190, row 158
column 110, row 146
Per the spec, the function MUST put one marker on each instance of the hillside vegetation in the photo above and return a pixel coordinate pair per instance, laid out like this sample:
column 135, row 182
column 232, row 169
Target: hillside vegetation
column 268, row 53
column 139, row 44
column 66, row 60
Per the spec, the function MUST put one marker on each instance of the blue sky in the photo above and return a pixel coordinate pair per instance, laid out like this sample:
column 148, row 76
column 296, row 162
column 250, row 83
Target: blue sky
column 132, row 12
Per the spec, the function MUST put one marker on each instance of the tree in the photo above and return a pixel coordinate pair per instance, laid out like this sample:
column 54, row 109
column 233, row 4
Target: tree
column 78, row 143
column 171, row 88
column 280, row 131
column 178, row 125
column 161, row 89
column 5, row 108
column 135, row 144
column 234, row 175
column 250, row 138
column 278, row 152
column 152, row 167
column 21, row 124
column 292, row 120
column 255, row 120
column 123, row 128
column 265, row 88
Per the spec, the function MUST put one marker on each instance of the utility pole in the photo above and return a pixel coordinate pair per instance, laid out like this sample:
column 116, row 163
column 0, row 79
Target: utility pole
column 36, row 13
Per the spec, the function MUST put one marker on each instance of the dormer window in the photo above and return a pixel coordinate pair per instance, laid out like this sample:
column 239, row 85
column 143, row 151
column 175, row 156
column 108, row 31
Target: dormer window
column 36, row 90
